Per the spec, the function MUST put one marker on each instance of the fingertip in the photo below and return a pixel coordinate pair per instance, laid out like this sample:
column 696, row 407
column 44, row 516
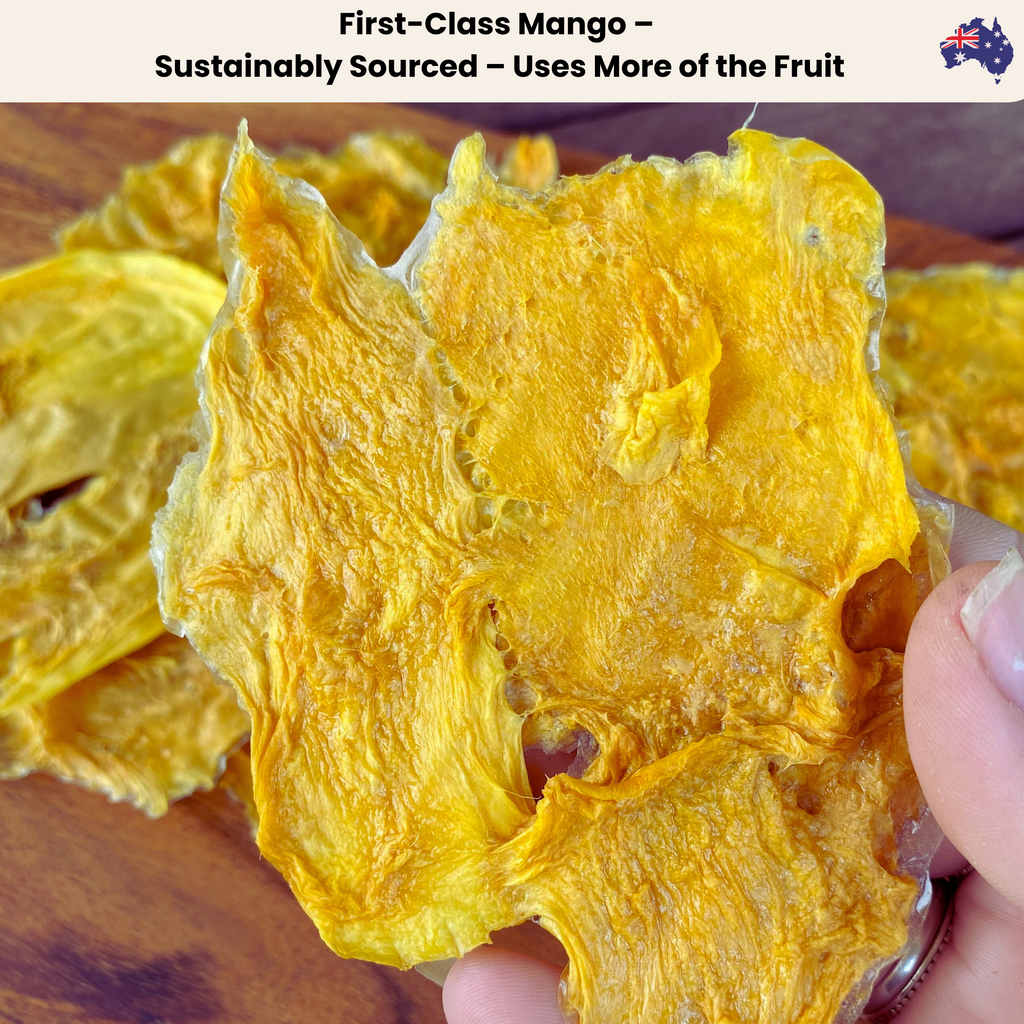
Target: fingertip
column 496, row 986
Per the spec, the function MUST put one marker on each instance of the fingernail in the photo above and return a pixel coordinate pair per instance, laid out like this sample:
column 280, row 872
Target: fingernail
column 435, row 970
column 993, row 617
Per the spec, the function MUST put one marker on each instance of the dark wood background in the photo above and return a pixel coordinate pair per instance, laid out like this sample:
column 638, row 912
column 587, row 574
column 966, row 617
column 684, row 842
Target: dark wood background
column 107, row 917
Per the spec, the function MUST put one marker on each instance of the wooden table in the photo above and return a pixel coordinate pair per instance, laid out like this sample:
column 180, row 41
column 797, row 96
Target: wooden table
column 106, row 916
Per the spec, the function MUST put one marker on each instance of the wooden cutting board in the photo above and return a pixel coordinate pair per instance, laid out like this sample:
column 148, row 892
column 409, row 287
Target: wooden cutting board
column 107, row 917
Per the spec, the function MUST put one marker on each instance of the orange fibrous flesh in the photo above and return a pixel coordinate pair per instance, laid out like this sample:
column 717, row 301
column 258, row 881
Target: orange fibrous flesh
column 603, row 463
column 82, row 340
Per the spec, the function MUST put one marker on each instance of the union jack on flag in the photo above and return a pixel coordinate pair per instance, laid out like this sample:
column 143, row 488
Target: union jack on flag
column 962, row 39
column 975, row 41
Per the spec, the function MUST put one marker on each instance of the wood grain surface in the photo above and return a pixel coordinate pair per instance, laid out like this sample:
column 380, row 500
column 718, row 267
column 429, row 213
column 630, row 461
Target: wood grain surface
column 108, row 917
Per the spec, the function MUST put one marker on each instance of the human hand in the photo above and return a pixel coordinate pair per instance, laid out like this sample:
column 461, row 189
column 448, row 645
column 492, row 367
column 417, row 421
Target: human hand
column 964, row 709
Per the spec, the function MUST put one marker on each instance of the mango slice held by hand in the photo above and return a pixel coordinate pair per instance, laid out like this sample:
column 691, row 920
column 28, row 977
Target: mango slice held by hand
column 953, row 353
column 97, row 395
column 150, row 728
column 592, row 469
column 379, row 185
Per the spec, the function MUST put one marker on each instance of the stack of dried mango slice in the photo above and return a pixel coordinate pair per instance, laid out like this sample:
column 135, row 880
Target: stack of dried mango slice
column 597, row 468
column 98, row 351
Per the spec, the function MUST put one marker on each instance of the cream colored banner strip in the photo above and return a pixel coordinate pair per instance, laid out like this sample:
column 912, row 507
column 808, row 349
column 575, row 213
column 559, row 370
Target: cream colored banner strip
column 404, row 50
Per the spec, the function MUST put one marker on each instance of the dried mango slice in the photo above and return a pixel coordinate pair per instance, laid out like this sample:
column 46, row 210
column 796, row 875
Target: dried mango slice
column 531, row 163
column 952, row 351
column 168, row 206
column 97, row 394
column 379, row 185
column 150, row 728
column 597, row 466
column 97, row 357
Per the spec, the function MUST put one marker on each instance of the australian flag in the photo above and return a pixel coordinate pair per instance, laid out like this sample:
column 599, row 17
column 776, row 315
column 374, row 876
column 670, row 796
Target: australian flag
column 972, row 41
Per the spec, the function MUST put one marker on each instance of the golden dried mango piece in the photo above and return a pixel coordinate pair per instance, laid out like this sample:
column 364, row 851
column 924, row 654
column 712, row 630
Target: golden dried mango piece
column 97, row 395
column 150, row 728
column 97, row 357
column 952, row 351
column 379, row 185
column 530, row 163
column 168, row 206
column 596, row 467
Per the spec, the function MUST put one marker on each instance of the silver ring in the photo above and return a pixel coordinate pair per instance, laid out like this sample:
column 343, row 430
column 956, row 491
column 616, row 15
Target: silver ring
column 900, row 980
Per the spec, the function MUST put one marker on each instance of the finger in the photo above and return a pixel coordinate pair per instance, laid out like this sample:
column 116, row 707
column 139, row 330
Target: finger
column 496, row 986
column 966, row 738
column 976, row 538
column 979, row 976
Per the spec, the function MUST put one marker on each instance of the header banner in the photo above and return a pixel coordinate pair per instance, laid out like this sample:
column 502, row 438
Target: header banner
column 406, row 50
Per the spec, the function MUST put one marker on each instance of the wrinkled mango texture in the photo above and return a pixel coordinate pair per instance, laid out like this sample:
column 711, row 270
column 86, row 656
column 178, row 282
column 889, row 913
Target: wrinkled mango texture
column 594, row 468
column 952, row 351
column 378, row 185
column 97, row 394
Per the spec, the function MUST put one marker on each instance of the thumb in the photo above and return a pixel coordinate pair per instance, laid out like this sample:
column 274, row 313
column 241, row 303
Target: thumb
column 964, row 692
column 964, row 695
